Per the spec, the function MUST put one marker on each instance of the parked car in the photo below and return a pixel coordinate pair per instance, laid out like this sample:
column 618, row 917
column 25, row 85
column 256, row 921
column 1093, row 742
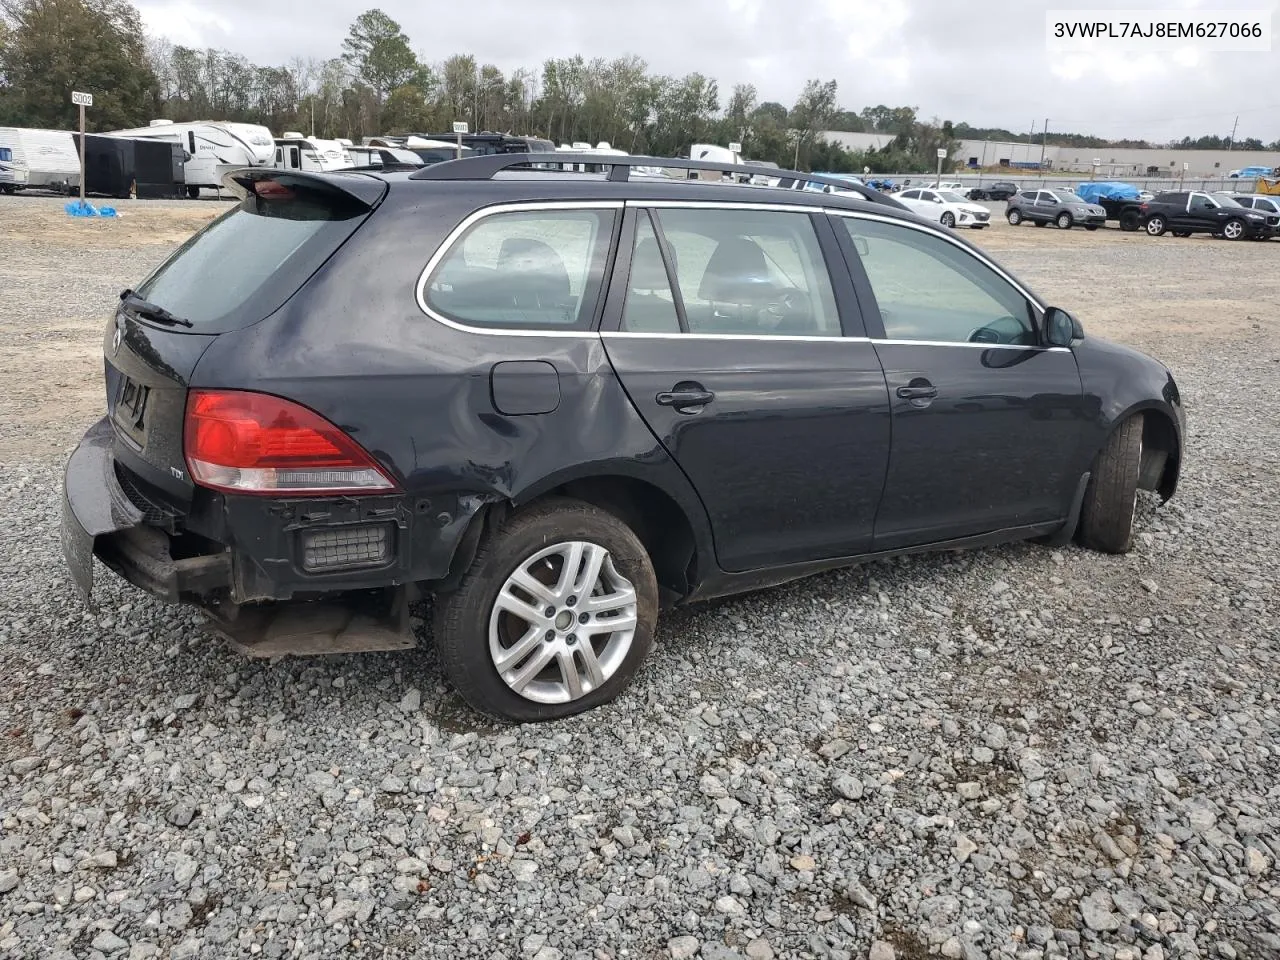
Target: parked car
column 948, row 208
column 574, row 400
column 1121, row 201
column 1059, row 207
column 1269, row 206
column 1183, row 214
column 1001, row 190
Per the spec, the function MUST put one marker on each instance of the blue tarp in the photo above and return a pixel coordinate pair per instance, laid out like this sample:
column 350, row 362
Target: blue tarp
column 1093, row 191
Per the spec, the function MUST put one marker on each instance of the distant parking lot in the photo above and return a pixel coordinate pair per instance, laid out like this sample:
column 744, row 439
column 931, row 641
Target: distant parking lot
column 1017, row 753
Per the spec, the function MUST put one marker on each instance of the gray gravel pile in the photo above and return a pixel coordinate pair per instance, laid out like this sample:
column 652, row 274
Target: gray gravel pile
column 1019, row 753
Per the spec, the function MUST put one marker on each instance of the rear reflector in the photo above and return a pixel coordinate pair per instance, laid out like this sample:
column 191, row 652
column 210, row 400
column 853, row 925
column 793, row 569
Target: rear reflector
column 246, row 442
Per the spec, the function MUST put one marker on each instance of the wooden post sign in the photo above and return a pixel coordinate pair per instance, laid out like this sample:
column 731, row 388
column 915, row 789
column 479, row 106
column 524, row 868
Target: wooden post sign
column 82, row 100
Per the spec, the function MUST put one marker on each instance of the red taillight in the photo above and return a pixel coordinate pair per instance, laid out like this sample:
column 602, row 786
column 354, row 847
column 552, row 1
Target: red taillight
column 255, row 443
column 1143, row 208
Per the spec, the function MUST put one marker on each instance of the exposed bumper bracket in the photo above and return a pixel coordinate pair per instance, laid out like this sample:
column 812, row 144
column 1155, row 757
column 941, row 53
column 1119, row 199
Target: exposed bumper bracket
column 371, row 621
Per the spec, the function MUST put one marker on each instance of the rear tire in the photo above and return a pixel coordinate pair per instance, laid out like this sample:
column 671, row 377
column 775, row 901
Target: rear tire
column 1130, row 220
column 1091, row 227
column 1181, row 233
column 470, row 625
column 1111, row 498
column 193, row 193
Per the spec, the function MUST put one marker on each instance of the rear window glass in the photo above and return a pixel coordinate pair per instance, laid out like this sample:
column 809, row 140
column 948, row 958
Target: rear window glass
column 248, row 261
column 537, row 269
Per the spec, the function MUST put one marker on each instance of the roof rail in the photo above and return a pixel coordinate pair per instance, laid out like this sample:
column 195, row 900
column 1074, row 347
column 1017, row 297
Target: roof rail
column 487, row 166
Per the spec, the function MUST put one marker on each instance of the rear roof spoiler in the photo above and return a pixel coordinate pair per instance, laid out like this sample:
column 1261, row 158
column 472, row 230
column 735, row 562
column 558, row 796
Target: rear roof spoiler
column 486, row 167
column 359, row 186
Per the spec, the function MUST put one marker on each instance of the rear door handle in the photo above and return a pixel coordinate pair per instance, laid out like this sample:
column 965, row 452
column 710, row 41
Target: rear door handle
column 684, row 395
column 918, row 393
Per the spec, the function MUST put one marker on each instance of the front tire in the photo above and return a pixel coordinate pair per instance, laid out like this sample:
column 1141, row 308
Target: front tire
column 1014, row 217
column 948, row 219
column 554, row 616
column 193, row 193
column 1156, row 226
column 1111, row 498
column 1235, row 229
column 1064, row 221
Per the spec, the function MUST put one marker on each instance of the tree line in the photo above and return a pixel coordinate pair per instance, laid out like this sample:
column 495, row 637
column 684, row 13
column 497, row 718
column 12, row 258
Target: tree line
column 378, row 85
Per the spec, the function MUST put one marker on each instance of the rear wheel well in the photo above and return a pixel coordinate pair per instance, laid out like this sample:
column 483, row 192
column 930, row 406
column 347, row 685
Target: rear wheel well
column 655, row 518
column 1160, row 455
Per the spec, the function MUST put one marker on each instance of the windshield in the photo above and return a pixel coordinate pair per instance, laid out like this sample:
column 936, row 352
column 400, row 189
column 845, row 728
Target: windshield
column 1066, row 196
column 952, row 197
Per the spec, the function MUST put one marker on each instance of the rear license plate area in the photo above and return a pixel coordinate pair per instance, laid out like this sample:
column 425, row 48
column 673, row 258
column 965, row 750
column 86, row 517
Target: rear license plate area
column 130, row 412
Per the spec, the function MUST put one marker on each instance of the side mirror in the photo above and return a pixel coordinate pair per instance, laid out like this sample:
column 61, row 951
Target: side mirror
column 1061, row 328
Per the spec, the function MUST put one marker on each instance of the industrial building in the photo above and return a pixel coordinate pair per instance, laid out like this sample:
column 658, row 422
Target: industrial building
column 1110, row 161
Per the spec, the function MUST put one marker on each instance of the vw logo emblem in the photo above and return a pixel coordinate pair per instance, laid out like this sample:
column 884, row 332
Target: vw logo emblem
column 119, row 335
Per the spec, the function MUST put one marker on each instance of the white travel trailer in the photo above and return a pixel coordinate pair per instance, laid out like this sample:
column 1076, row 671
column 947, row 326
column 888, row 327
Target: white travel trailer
column 213, row 147
column 296, row 152
column 602, row 149
column 45, row 159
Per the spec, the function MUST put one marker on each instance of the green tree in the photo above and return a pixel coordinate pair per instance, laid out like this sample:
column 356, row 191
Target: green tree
column 53, row 47
column 379, row 52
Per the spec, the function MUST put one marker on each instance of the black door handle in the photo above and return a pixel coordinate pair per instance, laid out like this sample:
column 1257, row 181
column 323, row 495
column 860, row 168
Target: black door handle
column 918, row 393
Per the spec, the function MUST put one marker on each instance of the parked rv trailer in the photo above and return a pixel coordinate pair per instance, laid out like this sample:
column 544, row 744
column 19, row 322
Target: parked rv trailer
column 13, row 175
column 48, row 157
column 293, row 151
column 213, row 147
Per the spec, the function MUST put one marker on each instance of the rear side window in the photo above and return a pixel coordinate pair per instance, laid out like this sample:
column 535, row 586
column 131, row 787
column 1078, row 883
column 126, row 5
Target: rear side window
column 537, row 269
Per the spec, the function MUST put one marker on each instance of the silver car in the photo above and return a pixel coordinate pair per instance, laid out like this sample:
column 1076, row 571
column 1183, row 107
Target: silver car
column 1061, row 207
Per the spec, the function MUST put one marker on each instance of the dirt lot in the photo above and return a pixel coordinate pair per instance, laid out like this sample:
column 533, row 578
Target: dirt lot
column 1018, row 753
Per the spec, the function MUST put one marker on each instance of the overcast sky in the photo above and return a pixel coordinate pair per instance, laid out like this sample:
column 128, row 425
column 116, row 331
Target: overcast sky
column 984, row 63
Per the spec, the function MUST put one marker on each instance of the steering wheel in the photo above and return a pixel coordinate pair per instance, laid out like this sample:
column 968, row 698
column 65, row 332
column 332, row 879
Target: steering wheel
column 788, row 306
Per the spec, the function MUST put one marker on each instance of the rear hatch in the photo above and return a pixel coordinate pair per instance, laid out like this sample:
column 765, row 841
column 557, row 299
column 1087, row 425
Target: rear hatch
column 235, row 272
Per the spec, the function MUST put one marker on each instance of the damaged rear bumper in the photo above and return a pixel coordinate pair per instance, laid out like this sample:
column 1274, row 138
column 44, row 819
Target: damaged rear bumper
column 99, row 519
column 249, row 573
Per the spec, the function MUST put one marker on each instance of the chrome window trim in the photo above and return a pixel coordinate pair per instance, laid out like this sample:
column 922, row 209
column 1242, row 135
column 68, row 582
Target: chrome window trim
column 545, row 205
column 789, row 338
column 929, row 229
column 497, row 210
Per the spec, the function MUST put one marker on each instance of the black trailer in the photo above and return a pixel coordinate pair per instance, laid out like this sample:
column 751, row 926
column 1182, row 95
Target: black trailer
column 122, row 167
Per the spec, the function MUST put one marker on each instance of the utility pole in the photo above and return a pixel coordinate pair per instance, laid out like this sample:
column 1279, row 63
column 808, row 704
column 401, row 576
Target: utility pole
column 1044, row 143
column 1232, row 142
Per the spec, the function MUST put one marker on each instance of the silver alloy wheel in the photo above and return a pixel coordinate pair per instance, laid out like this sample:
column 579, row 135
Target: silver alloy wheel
column 1155, row 226
column 563, row 623
column 1234, row 230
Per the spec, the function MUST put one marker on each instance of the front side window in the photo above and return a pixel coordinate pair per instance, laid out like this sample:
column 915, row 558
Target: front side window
column 538, row 269
column 930, row 289
column 750, row 272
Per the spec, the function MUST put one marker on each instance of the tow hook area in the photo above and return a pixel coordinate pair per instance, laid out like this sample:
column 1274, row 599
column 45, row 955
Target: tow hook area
column 359, row 622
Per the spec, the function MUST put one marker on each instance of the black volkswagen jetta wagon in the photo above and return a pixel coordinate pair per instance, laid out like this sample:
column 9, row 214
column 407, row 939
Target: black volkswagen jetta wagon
column 555, row 402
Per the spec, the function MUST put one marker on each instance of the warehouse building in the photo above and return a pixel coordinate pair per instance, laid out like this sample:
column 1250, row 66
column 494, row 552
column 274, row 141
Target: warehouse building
column 1109, row 161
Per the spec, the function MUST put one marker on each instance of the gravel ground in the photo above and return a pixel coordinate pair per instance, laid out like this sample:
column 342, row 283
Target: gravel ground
column 1014, row 753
